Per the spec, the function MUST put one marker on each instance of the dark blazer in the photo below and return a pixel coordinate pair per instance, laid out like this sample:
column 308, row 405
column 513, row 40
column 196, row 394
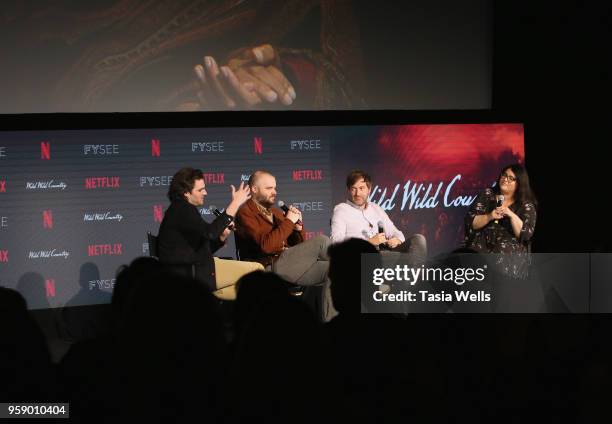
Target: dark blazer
column 186, row 242
column 260, row 240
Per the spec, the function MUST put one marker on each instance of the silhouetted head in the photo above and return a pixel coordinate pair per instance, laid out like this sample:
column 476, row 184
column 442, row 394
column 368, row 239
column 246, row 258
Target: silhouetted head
column 345, row 269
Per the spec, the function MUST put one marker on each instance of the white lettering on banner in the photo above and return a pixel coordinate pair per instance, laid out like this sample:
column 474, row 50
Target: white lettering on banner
column 2, row 151
column 245, row 177
column 420, row 196
column 45, row 185
column 164, row 180
column 210, row 146
column 305, row 144
column 48, row 254
column 106, row 216
column 309, row 206
column 101, row 149
column 102, row 284
column 3, row 221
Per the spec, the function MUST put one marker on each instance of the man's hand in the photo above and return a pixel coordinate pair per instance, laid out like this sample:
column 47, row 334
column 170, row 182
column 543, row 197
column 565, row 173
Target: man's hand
column 250, row 77
column 239, row 196
column 242, row 194
column 225, row 234
column 378, row 239
column 299, row 224
column 393, row 242
column 293, row 214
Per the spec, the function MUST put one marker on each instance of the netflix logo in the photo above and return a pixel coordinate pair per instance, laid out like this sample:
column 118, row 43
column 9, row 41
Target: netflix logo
column 158, row 213
column 48, row 220
column 45, row 150
column 155, row 148
column 311, row 234
column 115, row 249
column 218, row 178
column 258, row 145
column 308, row 175
column 101, row 182
column 4, row 258
column 2, row 186
column 50, row 287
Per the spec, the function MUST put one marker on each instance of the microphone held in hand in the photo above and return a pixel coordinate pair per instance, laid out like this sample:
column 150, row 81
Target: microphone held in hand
column 214, row 210
column 381, row 229
column 217, row 212
column 499, row 201
column 285, row 209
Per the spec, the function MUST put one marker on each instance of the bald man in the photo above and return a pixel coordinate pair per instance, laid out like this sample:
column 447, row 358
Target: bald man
column 267, row 235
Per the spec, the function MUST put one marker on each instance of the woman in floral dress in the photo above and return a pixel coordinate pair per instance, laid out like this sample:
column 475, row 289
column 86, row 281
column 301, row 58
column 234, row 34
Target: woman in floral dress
column 507, row 229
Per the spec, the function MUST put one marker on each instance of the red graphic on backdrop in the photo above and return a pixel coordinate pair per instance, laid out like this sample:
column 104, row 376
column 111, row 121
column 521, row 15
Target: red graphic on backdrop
column 101, row 182
column 45, row 150
column 4, row 257
column 2, row 186
column 429, row 175
column 48, row 219
column 155, row 148
column 115, row 249
column 158, row 213
column 308, row 174
column 258, row 145
column 50, row 287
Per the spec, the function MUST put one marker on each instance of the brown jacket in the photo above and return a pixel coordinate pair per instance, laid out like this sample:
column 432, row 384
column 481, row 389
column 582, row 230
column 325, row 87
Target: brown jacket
column 258, row 239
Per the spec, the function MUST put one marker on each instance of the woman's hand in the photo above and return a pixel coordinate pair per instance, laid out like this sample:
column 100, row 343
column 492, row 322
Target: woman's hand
column 506, row 211
column 496, row 214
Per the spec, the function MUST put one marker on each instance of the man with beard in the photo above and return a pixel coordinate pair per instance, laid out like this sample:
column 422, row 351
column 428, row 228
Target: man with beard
column 359, row 218
column 265, row 234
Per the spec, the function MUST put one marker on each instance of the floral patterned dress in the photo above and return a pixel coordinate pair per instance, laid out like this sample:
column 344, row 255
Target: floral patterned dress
column 513, row 254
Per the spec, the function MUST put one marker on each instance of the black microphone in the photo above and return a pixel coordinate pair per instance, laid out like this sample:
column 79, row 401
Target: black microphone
column 381, row 229
column 499, row 201
column 214, row 210
column 285, row 209
column 217, row 212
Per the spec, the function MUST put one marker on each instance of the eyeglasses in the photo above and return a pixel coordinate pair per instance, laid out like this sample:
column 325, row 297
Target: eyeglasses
column 508, row 177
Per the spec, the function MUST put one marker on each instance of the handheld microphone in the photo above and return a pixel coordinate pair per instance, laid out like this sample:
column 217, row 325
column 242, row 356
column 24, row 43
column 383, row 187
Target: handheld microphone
column 217, row 212
column 381, row 229
column 214, row 210
column 499, row 200
column 285, row 209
